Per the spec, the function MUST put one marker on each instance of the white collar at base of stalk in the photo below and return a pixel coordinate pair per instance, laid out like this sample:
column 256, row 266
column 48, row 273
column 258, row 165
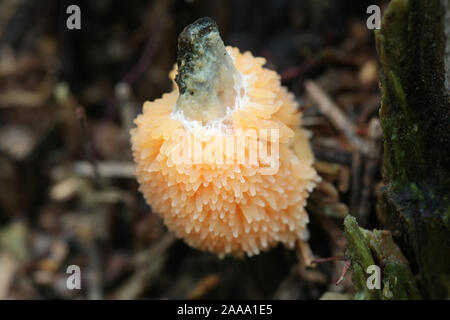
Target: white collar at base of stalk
column 220, row 126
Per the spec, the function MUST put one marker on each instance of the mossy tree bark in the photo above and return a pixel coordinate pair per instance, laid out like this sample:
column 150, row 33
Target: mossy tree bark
column 366, row 248
column 413, row 44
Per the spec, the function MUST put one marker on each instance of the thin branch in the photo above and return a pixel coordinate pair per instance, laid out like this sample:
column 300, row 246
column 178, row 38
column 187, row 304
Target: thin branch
column 335, row 115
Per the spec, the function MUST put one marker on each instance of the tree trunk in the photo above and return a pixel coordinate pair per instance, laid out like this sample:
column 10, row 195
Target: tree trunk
column 414, row 44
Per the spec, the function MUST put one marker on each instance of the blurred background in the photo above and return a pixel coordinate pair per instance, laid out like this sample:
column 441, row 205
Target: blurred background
column 67, row 102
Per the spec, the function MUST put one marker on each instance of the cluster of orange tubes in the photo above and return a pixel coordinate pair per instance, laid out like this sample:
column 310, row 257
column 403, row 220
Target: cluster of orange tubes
column 225, row 207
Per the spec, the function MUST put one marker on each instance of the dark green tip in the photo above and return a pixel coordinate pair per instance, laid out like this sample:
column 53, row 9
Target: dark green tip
column 206, row 75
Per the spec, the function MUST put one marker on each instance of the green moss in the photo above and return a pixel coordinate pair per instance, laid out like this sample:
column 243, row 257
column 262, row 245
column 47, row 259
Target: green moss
column 416, row 124
column 366, row 248
column 411, row 45
column 416, row 192
column 399, row 93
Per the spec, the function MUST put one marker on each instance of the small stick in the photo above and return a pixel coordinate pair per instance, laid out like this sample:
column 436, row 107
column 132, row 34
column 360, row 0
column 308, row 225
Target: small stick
column 305, row 261
column 204, row 286
column 322, row 260
column 106, row 169
column 347, row 265
column 335, row 115
column 345, row 269
column 305, row 252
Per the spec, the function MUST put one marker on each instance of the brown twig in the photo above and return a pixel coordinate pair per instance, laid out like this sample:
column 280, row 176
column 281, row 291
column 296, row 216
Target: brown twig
column 322, row 260
column 204, row 286
column 335, row 115
column 305, row 258
column 106, row 169
column 304, row 252
column 345, row 269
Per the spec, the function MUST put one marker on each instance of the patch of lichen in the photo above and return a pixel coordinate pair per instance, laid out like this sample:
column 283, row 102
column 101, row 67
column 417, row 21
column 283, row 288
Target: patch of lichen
column 366, row 248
